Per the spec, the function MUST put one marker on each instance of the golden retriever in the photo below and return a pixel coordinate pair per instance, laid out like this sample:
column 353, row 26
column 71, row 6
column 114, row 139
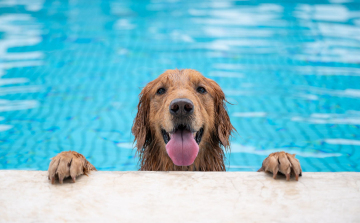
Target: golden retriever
column 181, row 124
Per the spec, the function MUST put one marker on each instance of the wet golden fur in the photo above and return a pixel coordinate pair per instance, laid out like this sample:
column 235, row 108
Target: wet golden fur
column 153, row 114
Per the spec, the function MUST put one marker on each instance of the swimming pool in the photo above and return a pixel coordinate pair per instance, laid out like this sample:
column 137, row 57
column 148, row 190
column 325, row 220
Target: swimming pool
column 71, row 72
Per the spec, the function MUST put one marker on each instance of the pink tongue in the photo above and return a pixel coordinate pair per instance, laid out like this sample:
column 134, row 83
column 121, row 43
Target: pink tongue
column 182, row 148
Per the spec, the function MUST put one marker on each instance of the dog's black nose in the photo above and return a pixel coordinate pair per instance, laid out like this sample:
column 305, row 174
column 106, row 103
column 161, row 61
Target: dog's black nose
column 181, row 107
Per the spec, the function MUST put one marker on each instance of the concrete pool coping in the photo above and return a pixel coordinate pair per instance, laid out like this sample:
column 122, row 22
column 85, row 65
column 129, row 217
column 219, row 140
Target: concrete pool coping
column 27, row 196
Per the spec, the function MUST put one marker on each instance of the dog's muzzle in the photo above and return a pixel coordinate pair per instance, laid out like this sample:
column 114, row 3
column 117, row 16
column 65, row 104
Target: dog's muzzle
column 182, row 142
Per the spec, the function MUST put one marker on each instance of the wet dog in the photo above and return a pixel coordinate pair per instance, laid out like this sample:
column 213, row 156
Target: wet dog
column 181, row 124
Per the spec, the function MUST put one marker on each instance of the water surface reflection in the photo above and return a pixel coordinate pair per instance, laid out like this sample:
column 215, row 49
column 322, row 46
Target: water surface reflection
column 70, row 73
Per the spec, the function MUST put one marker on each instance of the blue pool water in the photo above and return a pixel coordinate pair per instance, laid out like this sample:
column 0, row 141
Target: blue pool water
column 71, row 72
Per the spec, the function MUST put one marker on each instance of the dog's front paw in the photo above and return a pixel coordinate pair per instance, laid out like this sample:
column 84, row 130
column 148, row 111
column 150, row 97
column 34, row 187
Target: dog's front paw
column 68, row 164
column 282, row 162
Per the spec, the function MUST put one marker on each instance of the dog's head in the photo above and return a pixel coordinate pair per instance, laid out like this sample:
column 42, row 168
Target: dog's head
column 182, row 112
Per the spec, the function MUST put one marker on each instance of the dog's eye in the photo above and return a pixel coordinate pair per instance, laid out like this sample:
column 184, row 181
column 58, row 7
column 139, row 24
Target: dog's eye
column 161, row 91
column 201, row 90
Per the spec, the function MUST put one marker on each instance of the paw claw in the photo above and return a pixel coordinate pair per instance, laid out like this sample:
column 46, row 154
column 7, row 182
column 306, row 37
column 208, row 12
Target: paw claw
column 275, row 175
column 61, row 180
column 287, row 177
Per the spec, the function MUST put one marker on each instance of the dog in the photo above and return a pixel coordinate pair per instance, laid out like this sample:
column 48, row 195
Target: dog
column 181, row 125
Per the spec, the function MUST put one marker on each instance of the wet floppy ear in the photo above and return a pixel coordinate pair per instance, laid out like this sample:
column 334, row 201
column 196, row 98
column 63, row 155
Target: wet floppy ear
column 141, row 126
column 222, row 119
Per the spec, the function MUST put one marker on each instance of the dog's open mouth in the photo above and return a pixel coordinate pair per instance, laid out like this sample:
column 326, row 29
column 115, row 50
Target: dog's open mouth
column 182, row 144
column 197, row 135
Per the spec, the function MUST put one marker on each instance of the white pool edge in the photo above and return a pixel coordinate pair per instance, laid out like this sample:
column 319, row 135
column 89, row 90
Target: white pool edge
column 27, row 196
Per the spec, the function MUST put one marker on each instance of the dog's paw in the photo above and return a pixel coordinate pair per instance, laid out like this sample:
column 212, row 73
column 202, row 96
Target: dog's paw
column 68, row 164
column 282, row 162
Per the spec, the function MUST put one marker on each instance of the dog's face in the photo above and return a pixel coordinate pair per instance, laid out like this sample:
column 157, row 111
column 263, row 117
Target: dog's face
column 182, row 112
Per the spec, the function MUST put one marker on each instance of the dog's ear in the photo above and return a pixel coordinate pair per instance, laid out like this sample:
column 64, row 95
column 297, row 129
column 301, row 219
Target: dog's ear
column 222, row 119
column 141, row 125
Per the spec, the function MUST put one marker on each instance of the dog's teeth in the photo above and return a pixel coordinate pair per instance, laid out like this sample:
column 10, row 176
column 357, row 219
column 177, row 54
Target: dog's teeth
column 194, row 134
